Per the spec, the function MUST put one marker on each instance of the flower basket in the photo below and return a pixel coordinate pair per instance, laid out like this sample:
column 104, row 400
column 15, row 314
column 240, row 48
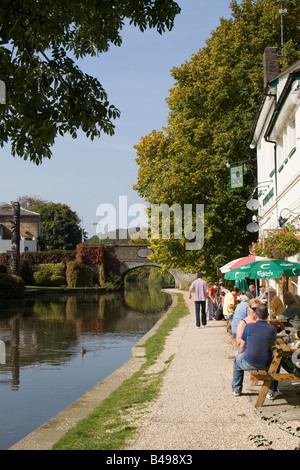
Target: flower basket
column 279, row 244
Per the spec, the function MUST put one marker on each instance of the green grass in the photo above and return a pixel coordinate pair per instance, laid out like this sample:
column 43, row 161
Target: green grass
column 111, row 425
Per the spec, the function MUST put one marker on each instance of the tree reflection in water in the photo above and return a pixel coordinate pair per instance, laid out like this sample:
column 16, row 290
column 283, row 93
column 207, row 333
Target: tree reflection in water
column 41, row 339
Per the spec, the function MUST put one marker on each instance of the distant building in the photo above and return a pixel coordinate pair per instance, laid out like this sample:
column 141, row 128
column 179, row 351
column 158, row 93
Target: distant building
column 30, row 229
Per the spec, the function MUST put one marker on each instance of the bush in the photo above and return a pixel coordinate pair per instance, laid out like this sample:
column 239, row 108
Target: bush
column 11, row 286
column 79, row 275
column 26, row 272
column 3, row 268
column 50, row 275
column 113, row 283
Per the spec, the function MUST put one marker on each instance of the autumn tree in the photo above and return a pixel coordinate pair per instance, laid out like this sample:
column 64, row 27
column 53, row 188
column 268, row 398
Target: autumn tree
column 212, row 107
column 47, row 93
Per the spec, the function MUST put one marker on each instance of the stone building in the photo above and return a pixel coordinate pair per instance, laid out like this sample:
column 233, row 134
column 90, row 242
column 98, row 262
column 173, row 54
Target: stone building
column 30, row 229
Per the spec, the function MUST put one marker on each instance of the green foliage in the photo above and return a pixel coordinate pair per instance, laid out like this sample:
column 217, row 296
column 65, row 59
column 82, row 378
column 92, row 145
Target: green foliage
column 47, row 93
column 212, row 108
column 11, row 286
column 79, row 275
column 50, row 275
column 32, row 203
column 150, row 275
column 26, row 272
column 5, row 259
column 112, row 282
column 3, row 268
column 60, row 226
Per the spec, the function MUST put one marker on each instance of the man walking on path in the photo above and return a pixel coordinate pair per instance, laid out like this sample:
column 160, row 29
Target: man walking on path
column 201, row 288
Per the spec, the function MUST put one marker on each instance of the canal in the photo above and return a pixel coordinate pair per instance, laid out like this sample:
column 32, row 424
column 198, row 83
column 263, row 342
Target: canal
column 54, row 348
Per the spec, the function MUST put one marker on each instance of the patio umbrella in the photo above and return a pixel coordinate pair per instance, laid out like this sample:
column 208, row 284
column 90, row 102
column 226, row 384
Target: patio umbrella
column 265, row 269
column 236, row 263
column 242, row 284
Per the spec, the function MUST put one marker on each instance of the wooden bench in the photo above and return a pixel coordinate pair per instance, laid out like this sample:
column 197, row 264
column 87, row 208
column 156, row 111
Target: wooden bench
column 268, row 376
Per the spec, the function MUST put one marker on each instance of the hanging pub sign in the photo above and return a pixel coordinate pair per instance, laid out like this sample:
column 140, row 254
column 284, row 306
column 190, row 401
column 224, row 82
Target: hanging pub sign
column 236, row 176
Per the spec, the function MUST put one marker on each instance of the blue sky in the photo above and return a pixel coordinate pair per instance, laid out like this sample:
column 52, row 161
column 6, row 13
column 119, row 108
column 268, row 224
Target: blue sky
column 136, row 77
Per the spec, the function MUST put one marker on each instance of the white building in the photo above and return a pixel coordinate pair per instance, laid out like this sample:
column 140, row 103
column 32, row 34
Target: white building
column 30, row 229
column 276, row 137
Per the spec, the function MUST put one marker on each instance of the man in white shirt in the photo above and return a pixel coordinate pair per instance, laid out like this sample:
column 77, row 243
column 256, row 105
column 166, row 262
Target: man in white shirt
column 200, row 288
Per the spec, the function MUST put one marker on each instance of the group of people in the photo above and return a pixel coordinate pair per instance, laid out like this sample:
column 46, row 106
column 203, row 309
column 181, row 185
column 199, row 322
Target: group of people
column 253, row 333
column 248, row 313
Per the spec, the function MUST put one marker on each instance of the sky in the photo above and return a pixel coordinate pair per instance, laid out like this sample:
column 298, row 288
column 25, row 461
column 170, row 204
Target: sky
column 87, row 175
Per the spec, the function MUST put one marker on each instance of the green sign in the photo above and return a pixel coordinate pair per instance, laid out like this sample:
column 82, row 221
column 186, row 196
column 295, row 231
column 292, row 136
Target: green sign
column 236, row 176
column 268, row 196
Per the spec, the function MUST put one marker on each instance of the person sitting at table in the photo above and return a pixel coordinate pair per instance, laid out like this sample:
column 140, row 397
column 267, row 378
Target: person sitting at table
column 255, row 349
column 219, row 312
column 241, row 312
column 263, row 295
column 252, row 290
column 291, row 313
column 251, row 318
column 276, row 305
column 221, row 288
column 230, row 302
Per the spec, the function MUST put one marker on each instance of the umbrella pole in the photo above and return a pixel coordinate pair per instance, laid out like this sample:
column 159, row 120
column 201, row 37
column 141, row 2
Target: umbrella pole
column 269, row 316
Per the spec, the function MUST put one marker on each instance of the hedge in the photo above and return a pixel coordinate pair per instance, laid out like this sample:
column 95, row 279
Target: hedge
column 11, row 286
column 79, row 275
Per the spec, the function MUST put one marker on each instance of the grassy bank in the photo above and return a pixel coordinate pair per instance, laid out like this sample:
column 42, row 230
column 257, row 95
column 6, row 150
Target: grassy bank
column 111, row 425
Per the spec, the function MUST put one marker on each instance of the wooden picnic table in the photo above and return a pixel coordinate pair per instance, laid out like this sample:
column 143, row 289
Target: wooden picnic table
column 268, row 376
column 278, row 323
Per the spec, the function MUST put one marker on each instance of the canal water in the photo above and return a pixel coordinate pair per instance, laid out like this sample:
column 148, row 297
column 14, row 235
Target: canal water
column 54, row 348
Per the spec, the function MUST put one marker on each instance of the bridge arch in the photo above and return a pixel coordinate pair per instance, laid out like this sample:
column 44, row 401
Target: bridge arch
column 170, row 284
column 136, row 256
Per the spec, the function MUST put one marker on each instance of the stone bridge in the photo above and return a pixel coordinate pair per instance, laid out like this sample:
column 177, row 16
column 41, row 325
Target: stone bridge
column 129, row 257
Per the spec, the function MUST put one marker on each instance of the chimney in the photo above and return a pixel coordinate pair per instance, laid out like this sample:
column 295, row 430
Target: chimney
column 271, row 64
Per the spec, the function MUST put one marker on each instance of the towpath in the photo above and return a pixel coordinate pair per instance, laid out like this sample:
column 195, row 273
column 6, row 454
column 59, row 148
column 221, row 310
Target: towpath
column 196, row 409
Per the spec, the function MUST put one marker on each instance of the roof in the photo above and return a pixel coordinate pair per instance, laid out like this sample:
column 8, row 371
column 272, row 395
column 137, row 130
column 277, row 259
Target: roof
column 6, row 209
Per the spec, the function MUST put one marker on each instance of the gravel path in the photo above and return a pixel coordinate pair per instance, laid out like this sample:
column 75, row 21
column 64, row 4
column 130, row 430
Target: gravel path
column 196, row 409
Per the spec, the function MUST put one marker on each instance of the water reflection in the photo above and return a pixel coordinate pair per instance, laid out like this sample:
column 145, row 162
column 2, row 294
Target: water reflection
column 41, row 368
column 51, row 329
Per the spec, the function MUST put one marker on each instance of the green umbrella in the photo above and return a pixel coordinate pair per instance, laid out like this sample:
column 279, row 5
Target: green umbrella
column 242, row 284
column 265, row 269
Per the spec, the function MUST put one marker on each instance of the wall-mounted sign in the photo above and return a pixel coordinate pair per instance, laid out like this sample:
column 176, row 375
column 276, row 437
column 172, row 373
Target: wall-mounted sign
column 268, row 196
column 236, row 176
